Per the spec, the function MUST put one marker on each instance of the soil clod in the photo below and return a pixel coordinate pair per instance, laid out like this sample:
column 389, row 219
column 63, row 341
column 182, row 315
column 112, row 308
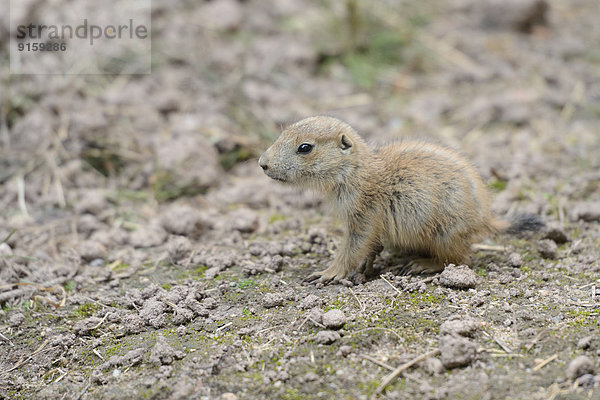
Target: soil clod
column 458, row 277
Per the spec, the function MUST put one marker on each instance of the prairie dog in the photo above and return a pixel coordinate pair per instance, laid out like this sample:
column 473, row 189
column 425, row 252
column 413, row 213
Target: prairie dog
column 418, row 197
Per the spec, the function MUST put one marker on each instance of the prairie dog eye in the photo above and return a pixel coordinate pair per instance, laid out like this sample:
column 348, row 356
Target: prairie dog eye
column 305, row 148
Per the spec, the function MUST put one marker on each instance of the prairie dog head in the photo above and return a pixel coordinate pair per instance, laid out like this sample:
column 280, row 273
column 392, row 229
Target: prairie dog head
column 315, row 151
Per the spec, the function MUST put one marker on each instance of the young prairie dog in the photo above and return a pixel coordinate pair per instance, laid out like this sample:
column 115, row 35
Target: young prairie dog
column 418, row 197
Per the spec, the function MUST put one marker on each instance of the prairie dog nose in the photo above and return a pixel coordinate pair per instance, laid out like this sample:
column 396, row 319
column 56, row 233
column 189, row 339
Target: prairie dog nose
column 263, row 162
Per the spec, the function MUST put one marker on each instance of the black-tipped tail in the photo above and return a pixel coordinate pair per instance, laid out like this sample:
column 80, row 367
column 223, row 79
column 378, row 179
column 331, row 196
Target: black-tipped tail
column 525, row 222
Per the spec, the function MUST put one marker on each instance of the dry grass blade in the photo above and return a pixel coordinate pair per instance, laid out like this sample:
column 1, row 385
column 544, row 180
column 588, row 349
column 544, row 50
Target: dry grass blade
column 25, row 358
column 101, row 322
column 223, row 327
column 487, row 247
column 21, row 196
column 503, row 345
column 545, row 362
column 390, row 283
column 377, row 362
column 60, row 193
column 8, row 236
column 388, row 379
column 51, row 289
column 429, row 279
column 360, row 304
column 7, row 340
column 80, row 395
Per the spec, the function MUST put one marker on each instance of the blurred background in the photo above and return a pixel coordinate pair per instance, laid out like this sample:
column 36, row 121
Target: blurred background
column 127, row 200
column 514, row 84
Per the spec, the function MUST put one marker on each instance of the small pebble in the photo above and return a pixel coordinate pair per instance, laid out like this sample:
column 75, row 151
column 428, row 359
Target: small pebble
column 162, row 353
column 181, row 330
column 458, row 277
column 585, row 342
column 178, row 248
column 457, row 351
column 344, row 351
column 311, row 377
column 5, row 250
column 327, row 337
column 588, row 211
column 557, row 234
column 316, row 316
column 477, row 301
column 504, row 279
column 90, row 250
column 334, row 319
column 148, row 236
column 309, row 302
column 228, row 396
column 580, row 366
column 515, row 260
column 97, row 262
column 92, row 202
column 526, row 315
column 209, row 303
column 16, row 319
column 272, row 300
column 433, row 366
column 547, row 248
column 586, row 381
column 459, row 326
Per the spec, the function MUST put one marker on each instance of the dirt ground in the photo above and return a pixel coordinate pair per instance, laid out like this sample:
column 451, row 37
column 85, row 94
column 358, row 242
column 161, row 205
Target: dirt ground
column 145, row 255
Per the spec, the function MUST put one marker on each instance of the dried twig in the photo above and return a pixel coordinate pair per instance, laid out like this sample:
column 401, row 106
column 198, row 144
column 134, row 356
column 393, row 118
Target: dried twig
column 303, row 322
column 429, row 279
column 487, row 247
column 388, row 379
column 265, row 329
column 377, row 362
column 223, row 327
column 536, row 339
column 60, row 378
column 6, row 340
column 588, row 285
column 360, row 304
column 100, row 323
column 80, row 395
column 545, row 362
column 317, row 323
column 96, row 352
column 115, row 264
column 96, row 301
column 502, row 344
column 390, row 283
column 25, row 358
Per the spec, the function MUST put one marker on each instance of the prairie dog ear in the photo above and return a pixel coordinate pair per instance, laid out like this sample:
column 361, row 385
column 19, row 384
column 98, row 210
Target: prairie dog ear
column 344, row 143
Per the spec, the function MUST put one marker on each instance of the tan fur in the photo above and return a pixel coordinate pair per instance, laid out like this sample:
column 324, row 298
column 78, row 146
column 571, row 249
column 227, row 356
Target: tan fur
column 419, row 197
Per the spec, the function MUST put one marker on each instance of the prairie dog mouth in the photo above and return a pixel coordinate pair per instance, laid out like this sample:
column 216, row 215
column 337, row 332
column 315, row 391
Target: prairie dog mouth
column 275, row 177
